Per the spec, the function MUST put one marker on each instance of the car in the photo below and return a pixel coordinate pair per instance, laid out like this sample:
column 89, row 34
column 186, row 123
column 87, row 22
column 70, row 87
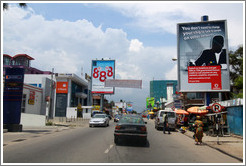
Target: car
column 98, row 112
column 99, row 120
column 117, row 117
column 171, row 119
column 131, row 126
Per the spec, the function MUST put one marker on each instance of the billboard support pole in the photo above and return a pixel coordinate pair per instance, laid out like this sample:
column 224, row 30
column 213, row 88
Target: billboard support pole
column 101, row 102
column 207, row 94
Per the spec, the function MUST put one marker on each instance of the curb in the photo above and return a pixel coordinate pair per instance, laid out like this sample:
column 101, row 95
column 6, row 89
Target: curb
column 219, row 150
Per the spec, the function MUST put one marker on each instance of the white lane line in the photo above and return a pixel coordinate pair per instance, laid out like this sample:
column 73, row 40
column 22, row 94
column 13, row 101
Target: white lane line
column 107, row 150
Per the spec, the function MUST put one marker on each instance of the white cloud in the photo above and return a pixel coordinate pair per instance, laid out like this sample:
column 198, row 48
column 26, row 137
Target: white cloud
column 135, row 45
column 163, row 16
column 172, row 74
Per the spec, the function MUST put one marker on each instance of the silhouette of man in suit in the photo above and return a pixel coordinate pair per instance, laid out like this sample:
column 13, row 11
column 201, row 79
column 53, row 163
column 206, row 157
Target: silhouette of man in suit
column 214, row 56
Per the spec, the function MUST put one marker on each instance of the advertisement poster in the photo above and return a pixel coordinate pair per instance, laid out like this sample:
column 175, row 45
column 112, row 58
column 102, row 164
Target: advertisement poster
column 12, row 95
column 150, row 102
column 203, row 62
column 100, row 71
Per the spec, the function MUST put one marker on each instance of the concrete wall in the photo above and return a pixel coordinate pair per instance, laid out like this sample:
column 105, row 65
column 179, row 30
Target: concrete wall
column 31, row 120
column 33, row 100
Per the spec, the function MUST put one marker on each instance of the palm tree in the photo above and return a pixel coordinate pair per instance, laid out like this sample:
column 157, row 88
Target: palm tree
column 6, row 5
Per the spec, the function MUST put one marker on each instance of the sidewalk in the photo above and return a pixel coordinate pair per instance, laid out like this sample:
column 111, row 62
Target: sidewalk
column 230, row 145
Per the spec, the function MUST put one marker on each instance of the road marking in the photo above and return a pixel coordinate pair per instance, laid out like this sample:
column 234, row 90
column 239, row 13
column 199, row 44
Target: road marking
column 107, row 150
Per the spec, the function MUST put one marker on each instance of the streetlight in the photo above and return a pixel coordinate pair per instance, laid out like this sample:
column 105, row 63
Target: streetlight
column 174, row 59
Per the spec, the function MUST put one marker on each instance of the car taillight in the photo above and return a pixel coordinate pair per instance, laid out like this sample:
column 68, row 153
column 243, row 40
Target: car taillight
column 117, row 127
column 143, row 128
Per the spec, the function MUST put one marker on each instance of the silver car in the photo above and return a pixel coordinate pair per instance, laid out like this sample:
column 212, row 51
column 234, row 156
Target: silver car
column 99, row 120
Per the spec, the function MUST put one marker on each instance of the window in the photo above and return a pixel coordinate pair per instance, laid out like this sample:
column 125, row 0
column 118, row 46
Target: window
column 23, row 104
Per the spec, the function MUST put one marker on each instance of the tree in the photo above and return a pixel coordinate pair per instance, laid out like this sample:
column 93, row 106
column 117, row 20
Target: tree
column 236, row 72
column 6, row 5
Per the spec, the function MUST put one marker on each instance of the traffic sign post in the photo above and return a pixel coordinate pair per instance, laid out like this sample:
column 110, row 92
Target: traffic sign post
column 216, row 107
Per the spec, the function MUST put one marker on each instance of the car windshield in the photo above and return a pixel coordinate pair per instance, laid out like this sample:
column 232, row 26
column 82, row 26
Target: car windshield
column 169, row 114
column 99, row 116
column 131, row 119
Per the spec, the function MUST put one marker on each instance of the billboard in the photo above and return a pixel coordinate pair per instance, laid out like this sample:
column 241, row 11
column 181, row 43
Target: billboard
column 124, row 83
column 203, row 62
column 150, row 102
column 100, row 71
column 12, row 95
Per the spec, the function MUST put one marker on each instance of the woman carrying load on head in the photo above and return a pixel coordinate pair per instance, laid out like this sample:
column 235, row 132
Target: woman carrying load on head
column 198, row 124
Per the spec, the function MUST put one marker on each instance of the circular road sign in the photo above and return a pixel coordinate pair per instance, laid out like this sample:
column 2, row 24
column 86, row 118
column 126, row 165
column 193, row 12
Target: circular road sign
column 216, row 107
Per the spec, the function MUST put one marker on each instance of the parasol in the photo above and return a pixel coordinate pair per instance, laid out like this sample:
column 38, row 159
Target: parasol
column 179, row 111
column 196, row 110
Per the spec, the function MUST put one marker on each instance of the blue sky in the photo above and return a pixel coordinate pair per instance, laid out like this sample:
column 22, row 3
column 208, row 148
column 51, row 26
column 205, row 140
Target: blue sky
column 140, row 36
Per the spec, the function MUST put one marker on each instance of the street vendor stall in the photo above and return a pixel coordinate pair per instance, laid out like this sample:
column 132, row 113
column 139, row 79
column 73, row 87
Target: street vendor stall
column 195, row 111
column 223, row 125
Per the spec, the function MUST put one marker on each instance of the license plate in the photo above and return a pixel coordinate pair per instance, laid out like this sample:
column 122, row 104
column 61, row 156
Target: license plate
column 131, row 128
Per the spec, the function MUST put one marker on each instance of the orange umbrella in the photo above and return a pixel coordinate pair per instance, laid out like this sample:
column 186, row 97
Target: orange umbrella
column 196, row 110
column 181, row 112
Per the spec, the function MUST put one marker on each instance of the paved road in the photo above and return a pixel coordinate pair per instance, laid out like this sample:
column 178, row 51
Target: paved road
column 96, row 145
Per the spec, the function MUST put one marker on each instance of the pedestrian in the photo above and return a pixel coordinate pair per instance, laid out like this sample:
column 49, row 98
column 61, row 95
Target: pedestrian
column 198, row 125
column 148, row 116
column 165, row 124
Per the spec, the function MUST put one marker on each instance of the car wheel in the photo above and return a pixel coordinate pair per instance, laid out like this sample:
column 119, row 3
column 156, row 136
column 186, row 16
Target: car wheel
column 89, row 125
column 116, row 139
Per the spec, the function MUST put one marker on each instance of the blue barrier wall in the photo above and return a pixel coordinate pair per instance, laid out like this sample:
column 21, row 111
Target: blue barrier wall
column 235, row 119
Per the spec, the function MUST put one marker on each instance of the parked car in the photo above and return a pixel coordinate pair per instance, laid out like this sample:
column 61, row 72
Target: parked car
column 99, row 120
column 117, row 117
column 131, row 126
column 171, row 119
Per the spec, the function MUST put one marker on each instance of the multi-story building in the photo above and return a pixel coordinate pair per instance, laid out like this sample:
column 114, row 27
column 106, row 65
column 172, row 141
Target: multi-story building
column 163, row 89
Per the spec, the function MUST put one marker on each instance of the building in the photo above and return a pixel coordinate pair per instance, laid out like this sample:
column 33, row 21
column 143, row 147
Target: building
column 163, row 89
column 49, row 94
column 21, row 61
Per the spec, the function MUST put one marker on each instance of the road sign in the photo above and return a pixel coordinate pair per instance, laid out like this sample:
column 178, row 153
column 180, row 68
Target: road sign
column 216, row 107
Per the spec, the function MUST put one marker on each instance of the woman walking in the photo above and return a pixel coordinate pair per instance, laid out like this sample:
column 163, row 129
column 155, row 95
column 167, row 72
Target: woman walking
column 198, row 124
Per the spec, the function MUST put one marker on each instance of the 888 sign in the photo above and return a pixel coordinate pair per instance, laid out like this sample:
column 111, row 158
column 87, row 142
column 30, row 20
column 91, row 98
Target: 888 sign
column 102, row 75
column 102, row 70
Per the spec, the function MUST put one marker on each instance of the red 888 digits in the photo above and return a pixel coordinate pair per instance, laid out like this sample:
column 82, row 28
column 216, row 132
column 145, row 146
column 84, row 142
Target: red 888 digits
column 103, row 75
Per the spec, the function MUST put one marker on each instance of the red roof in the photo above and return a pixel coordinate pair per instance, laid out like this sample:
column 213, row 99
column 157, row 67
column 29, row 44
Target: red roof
column 25, row 55
column 7, row 55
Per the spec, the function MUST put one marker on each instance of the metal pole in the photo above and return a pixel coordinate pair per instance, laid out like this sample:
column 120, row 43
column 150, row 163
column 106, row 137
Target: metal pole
column 217, row 128
column 101, row 102
column 51, row 94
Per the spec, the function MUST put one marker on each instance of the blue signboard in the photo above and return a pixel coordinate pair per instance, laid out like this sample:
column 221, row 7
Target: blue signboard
column 12, row 96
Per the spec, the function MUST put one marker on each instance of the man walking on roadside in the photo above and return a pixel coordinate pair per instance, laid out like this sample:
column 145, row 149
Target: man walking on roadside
column 165, row 124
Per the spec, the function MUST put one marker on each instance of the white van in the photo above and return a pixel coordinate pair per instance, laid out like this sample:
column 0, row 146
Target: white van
column 171, row 118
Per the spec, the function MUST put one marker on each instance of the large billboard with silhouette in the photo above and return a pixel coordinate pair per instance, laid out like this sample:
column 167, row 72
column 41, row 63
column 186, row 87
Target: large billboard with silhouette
column 203, row 62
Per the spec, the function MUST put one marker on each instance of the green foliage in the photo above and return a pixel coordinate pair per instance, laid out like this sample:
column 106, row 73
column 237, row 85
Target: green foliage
column 6, row 5
column 236, row 72
column 49, row 123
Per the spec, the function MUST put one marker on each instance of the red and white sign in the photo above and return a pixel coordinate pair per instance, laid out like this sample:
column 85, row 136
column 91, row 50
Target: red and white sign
column 61, row 87
column 216, row 107
column 101, row 71
column 205, row 74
